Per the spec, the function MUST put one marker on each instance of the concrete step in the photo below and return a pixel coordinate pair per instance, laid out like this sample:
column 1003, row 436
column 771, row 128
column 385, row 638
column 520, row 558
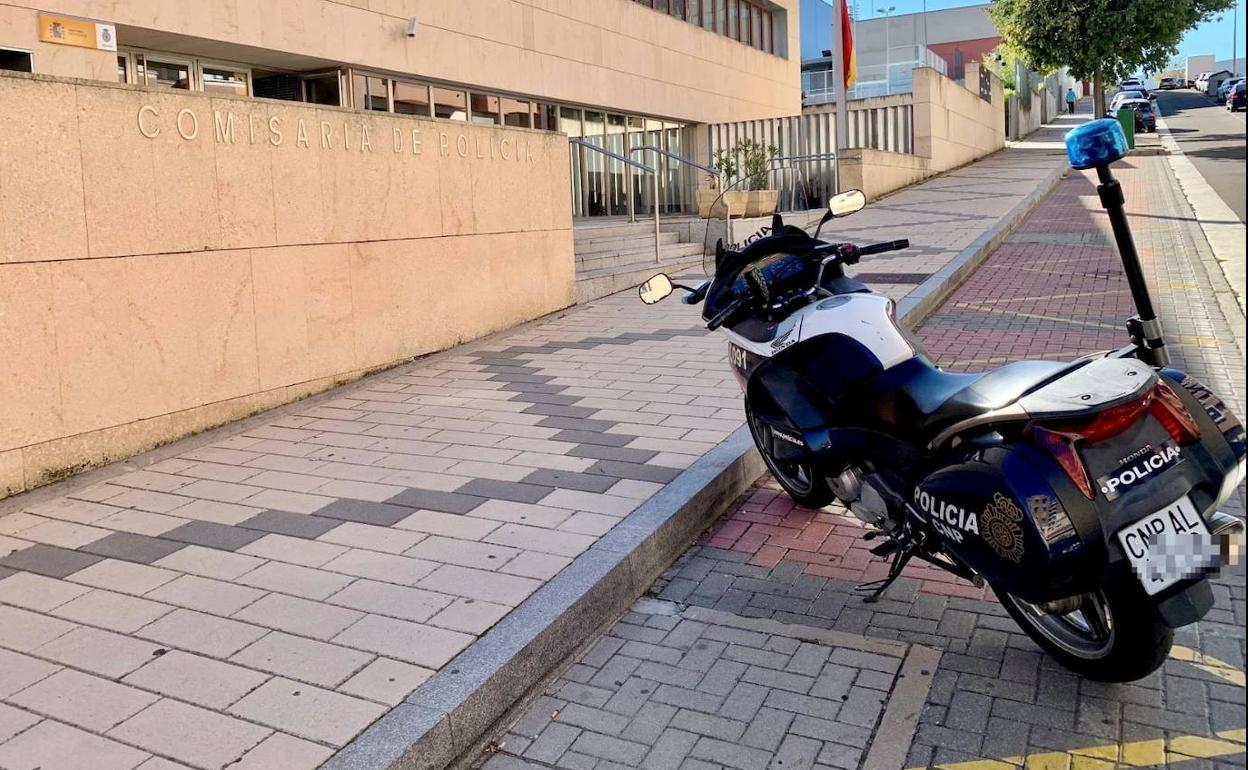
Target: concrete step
column 616, row 245
column 583, row 231
column 594, row 284
column 612, row 260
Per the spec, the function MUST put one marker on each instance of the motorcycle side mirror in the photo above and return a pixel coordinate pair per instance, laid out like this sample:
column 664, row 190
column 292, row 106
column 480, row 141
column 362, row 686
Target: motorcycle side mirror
column 847, row 203
column 656, row 289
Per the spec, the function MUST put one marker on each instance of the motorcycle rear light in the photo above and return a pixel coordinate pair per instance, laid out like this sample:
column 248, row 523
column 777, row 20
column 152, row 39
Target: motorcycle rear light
column 1062, row 446
column 1062, row 441
column 1167, row 408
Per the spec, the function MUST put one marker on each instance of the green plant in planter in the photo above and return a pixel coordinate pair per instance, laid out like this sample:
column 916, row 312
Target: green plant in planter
column 747, row 159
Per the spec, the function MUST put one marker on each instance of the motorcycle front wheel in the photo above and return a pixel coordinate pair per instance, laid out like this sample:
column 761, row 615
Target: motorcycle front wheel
column 797, row 477
column 1113, row 634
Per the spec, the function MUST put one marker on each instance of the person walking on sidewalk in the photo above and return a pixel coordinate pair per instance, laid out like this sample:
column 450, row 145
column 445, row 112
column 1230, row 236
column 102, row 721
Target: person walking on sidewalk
column 1070, row 101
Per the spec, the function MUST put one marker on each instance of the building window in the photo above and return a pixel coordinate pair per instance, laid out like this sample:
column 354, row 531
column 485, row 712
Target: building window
column 411, row 98
column 449, row 103
column 167, row 73
column 484, row 109
column 545, row 117
column 370, row 92
column 224, row 80
column 323, row 88
column 15, row 60
column 515, row 112
column 123, row 68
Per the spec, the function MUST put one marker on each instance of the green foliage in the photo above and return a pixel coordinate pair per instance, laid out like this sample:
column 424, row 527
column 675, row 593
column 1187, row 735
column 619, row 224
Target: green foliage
column 747, row 159
column 1114, row 38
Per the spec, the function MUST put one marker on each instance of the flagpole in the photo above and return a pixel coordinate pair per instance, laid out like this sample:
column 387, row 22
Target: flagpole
column 838, row 78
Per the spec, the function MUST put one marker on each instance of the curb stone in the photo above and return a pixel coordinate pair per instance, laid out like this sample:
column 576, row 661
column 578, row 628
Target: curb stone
column 451, row 711
column 1222, row 230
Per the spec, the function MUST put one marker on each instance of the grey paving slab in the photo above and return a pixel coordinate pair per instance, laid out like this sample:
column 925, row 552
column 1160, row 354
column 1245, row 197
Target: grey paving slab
column 293, row 524
column 365, row 512
column 433, row 500
column 212, row 535
column 49, row 560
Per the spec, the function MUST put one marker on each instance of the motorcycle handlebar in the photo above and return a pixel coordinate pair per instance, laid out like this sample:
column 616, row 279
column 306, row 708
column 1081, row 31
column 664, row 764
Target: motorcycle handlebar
column 722, row 317
column 880, row 248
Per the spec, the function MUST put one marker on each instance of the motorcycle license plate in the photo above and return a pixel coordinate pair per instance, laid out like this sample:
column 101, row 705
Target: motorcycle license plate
column 1170, row 545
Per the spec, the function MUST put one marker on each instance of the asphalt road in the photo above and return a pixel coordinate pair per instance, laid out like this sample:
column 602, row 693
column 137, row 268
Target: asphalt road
column 1212, row 138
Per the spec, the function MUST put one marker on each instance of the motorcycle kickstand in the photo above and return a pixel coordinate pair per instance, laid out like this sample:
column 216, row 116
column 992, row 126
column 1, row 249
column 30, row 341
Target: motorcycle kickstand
column 876, row 588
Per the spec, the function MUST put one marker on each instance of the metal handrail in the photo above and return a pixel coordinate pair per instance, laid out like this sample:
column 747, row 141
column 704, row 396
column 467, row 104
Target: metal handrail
column 676, row 157
column 679, row 159
column 635, row 164
column 610, row 154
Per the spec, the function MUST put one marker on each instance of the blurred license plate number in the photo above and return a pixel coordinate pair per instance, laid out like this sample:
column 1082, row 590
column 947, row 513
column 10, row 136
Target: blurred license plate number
column 1168, row 546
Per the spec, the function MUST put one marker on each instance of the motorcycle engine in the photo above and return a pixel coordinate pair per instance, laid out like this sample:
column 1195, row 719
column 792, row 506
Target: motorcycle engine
column 856, row 490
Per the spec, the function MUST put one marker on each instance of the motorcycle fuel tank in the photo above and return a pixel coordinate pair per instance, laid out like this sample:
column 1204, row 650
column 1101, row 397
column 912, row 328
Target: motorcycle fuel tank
column 866, row 320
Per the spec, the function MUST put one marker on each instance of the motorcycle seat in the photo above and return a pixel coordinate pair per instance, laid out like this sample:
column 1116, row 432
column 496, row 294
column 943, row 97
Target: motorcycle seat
column 919, row 400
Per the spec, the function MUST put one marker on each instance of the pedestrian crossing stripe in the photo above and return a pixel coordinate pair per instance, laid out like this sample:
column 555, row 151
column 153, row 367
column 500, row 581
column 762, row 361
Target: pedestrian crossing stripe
column 1149, row 753
column 1209, row 664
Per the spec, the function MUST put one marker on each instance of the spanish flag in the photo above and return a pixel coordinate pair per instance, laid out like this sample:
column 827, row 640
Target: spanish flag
column 849, row 60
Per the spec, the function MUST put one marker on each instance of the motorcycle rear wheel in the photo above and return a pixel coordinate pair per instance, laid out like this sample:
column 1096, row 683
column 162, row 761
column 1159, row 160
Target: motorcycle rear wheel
column 798, row 478
column 1114, row 635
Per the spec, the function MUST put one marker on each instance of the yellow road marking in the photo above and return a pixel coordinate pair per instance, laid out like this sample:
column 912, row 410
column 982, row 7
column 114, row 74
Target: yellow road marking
column 1004, row 300
column 1037, row 316
column 1219, row 668
column 1113, row 755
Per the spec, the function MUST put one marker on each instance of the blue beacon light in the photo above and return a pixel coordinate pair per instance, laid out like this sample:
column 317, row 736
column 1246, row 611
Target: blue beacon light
column 1096, row 143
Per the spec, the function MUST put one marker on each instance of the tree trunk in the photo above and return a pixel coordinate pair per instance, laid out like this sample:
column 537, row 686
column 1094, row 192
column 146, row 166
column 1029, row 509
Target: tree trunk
column 1098, row 95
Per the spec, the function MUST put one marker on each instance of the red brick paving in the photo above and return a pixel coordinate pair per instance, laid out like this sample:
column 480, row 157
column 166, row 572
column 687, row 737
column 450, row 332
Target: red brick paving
column 1055, row 289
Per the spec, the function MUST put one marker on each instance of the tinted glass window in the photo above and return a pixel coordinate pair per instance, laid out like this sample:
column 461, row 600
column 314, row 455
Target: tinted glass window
column 515, row 112
column 448, row 103
column 411, row 98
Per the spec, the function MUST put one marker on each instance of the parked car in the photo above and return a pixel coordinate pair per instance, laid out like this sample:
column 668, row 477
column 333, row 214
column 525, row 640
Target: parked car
column 1226, row 87
column 1123, row 96
column 1145, row 115
column 1236, row 99
column 1167, row 84
column 1199, row 85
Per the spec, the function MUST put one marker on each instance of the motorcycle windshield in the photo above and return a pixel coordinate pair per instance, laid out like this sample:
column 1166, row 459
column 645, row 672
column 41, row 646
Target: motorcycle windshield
column 738, row 232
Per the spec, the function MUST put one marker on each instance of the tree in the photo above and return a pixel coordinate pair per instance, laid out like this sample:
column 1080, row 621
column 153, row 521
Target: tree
column 1099, row 39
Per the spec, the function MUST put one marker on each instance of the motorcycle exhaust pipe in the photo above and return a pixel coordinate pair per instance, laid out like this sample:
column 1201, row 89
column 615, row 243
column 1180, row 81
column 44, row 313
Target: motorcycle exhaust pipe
column 1229, row 531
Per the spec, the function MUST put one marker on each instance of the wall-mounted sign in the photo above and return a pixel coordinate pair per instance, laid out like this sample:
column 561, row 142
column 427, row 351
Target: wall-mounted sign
column 67, row 30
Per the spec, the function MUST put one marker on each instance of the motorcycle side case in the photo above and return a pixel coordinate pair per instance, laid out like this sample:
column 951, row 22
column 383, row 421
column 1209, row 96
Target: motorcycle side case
column 1011, row 513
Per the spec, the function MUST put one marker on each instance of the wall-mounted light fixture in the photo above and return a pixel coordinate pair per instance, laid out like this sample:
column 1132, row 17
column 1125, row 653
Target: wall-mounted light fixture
column 411, row 27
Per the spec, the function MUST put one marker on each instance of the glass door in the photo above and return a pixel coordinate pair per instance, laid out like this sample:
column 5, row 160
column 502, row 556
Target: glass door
column 617, row 175
column 570, row 124
column 595, row 164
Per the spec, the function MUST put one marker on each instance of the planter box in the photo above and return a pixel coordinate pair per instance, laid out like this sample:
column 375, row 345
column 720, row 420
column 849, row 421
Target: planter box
column 761, row 203
column 737, row 203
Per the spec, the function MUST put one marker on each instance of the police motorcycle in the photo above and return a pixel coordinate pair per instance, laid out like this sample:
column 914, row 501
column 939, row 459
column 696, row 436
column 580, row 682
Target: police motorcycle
column 1085, row 493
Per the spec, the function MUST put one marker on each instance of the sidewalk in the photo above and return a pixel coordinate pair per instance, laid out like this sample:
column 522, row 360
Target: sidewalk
column 269, row 590
column 750, row 652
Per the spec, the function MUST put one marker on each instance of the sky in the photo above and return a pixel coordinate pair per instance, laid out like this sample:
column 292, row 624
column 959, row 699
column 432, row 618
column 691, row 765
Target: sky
column 1211, row 37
